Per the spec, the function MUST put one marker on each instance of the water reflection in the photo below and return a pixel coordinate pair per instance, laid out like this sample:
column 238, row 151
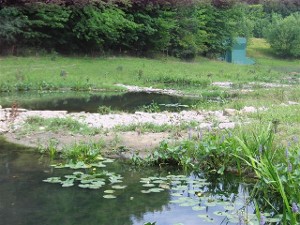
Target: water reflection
column 26, row 200
column 89, row 102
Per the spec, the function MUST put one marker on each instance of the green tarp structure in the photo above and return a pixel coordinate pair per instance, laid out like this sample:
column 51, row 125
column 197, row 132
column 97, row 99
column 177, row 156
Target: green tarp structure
column 237, row 54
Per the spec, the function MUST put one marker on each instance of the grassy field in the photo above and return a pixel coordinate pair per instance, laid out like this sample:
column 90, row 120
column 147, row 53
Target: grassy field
column 51, row 72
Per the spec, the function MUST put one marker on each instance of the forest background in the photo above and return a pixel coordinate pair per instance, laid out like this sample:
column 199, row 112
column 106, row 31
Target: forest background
column 179, row 28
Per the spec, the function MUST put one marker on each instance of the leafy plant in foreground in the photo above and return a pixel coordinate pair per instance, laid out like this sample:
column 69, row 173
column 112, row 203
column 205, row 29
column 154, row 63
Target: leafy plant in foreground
column 83, row 152
column 277, row 169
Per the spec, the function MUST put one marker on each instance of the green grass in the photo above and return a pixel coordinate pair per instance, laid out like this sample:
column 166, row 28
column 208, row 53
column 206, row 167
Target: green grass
column 260, row 50
column 57, row 125
column 86, row 73
column 153, row 128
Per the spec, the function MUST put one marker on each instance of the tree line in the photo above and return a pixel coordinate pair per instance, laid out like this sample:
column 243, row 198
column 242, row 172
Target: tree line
column 181, row 28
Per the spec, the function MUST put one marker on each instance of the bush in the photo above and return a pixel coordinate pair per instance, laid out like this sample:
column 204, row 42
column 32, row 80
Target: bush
column 11, row 25
column 284, row 35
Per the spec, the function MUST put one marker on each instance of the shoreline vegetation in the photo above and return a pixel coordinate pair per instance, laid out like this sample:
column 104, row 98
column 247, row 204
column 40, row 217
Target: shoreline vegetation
column 246, row 120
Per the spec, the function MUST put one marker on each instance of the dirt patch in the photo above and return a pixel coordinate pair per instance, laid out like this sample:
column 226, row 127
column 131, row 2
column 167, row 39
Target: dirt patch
column 121, row 144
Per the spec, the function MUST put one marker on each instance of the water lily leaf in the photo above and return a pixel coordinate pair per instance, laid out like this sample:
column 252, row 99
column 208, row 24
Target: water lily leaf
column 145, row 181
column 158, row 181
column 109, row 191
column 91, row 186
column 156, row 190
column 99, row 165
column 108, row 161
column 53, row 180
column 176, row 194
column 83, row 185
column 79, row 165
column 109, row 196
column 210, row 220
column 148, row 185
column 198, row 208
column 203, row 216
column 176, row 182
column 119, row 186
column 179, row 188
column 98, row 183
column 145, row 191
column 70, row 176
column 99, row 157
column 86, row 181
column 220, row 213
column 68, row 184
column 176, row 201
column 229, row 207
column 164, row 186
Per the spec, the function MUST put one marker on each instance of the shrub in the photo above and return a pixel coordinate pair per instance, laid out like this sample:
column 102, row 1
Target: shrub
column 284, row 35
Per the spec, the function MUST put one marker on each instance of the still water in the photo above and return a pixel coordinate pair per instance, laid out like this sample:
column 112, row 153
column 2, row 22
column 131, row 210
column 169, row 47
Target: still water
column 26, row 200
column 89, row 102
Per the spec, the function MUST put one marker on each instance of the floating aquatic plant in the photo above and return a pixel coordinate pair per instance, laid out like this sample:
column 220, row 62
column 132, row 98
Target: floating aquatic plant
column 92, row 179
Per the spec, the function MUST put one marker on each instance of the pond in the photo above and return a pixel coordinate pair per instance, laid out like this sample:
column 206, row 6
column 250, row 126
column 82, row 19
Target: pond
column 25, row 199
column 90, row 102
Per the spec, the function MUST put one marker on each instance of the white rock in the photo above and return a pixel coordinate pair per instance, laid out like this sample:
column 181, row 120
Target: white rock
column 225, row 84
column 205, row 125
column 293, row 103
column 229, row 125
column 249, row 109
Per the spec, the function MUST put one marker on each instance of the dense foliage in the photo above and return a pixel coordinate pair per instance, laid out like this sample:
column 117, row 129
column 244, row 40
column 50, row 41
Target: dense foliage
column 284, row 35
column 181, row 28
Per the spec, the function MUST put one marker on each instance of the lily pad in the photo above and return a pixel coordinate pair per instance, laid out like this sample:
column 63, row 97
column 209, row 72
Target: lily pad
column 176, row 194
column 53, row 180
column 119, row 186
column 229, row 207
column 202, row 216
column 158, row 181
column 109, row 196
column 108, row 161
column 198, row 208
column 67, row 184
column 109, row 191
column 156, row 190
column 148, row 185
column 83, row 185
column 220, row 213
column 99, row 165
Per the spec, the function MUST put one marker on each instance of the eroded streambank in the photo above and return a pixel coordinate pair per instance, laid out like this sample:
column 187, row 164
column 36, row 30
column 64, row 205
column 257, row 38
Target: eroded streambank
column 123, row 140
